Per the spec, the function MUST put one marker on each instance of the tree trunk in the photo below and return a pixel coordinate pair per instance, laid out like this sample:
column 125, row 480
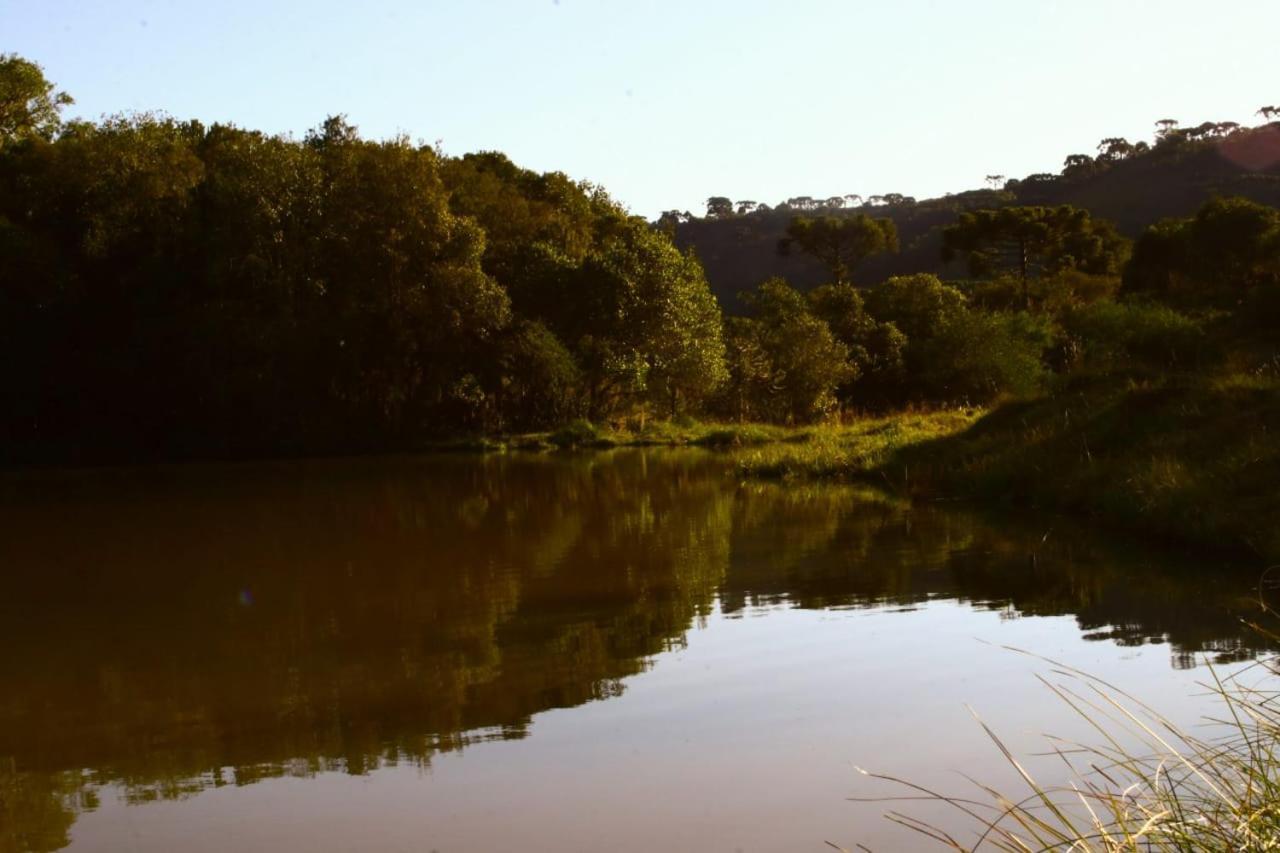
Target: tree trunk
column 1026, row 290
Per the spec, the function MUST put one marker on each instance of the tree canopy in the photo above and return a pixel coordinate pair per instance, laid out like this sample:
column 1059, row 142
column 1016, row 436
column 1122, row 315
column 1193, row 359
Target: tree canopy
column 840, row 243
column 29, row 104
column 1032, row 241
column 168, row 288
column 1229, row 246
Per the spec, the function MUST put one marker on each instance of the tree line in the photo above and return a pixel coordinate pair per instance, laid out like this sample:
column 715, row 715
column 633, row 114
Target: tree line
column 175, row 288
column 1170, row 139
column 172, row 288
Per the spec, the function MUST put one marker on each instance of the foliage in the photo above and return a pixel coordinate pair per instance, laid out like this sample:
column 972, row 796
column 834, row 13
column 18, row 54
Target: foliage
column 855, row 451
column 187, row 289
column 918, row 305
column 876, row 348
column 579, row 433
column 30, row 106
column 1051, row 294
column 784, row 363
column 956, row 353
column 840, row 243
column 537, row 380
column 1123, row 333
column 1231, row 245
column 977, row 356
column 1034, row 241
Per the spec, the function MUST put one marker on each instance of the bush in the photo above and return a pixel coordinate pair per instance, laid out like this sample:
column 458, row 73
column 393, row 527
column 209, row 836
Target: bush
column 977, row 356
column 579, row 433
column 1108, row 334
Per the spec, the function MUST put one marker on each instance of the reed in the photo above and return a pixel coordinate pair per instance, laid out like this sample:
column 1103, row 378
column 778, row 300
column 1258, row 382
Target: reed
column 1145, row 784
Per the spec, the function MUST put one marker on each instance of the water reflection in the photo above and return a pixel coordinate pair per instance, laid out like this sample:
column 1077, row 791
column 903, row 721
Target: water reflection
column 174, row 630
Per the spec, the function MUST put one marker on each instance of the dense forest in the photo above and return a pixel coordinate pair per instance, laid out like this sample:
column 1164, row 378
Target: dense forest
column 174, row 289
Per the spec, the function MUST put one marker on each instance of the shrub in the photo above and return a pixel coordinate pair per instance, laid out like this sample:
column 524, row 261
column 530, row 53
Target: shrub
column 1109, row 334
column 977, row 355
column 579, row 433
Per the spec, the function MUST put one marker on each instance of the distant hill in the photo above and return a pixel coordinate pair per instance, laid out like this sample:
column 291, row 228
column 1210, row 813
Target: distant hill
column 1131, row 185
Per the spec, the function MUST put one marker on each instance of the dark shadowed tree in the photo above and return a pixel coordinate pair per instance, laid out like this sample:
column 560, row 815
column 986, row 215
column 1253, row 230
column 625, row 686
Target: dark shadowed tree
column 784, row 361
column 719, row 207
column 875, row 348
column 1231, row 245
column 840, row 243
column 1032, row 241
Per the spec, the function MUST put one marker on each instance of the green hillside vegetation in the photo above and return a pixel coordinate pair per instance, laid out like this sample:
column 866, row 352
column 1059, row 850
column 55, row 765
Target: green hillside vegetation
column 1159, row 413
column 1132, row 185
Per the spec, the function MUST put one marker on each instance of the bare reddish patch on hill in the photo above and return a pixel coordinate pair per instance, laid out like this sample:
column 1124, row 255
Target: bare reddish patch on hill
column 1256, row 150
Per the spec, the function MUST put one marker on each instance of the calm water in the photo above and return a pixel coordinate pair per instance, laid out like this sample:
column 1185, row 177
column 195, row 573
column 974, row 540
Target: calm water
column 619, row 651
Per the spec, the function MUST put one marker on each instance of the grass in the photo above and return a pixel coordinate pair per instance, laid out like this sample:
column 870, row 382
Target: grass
column 1192, row 459
column 1146, row 785
column 1196, row 461
column 859, row 450
column 682, row 432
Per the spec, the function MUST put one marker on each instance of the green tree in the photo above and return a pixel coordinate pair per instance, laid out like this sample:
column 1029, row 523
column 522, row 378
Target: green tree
column 30, row 106
column 918, row 305
column 875, row 348
column 840, row 243
column 648, row 325
column 719, row 207
column 1033, row 241
column 535, row 378
column 955, row 353
column 1231, row 245
column 786, row 362
column 976, row 356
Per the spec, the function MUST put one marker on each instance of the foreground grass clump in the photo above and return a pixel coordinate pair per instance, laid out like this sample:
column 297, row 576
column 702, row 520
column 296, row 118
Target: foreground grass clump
column 1149, row 785
column 854, row 451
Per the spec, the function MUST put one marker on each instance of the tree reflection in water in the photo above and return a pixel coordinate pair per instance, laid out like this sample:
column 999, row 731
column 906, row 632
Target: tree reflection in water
column 170, row 630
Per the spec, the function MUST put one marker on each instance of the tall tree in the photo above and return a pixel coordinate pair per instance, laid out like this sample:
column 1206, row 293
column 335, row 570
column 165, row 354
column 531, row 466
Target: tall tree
column 719, row 207
column 1229, row 246
column 840, row 243
column 1030, row 241
column 29, row 104
column 785, row 362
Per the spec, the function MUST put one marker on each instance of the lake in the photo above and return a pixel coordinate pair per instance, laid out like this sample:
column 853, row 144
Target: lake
column 626, row 650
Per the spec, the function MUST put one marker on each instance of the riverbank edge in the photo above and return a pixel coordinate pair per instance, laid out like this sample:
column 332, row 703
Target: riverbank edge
column 1192, row 461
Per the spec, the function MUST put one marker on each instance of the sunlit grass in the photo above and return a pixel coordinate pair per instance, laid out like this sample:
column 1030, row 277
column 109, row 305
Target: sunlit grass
column 1145, row 784
column 854, row 450
column 651, row 432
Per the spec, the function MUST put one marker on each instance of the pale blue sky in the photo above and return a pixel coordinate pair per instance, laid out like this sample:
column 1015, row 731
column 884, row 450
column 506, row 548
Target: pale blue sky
column 666, row 103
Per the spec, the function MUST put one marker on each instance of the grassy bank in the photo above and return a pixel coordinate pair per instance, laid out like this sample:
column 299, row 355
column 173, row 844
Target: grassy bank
column 864, row 449
column 652, row 433
column 1195, row 459
column 1191, row 458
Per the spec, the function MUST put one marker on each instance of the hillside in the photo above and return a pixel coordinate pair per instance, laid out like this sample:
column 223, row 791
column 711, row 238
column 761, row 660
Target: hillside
column 1134, row 188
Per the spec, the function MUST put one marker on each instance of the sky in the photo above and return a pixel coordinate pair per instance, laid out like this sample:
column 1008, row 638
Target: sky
column 667, row 103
